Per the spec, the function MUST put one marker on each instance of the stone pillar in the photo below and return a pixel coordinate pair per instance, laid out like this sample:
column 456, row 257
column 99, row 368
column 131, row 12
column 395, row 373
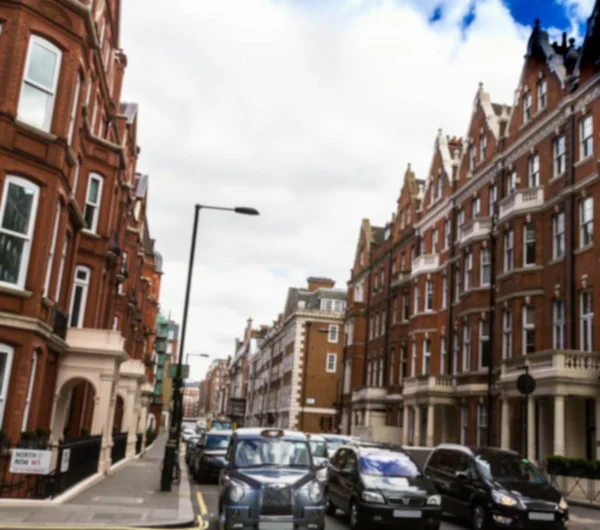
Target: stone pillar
column 129, row 422
column 104, row 408
column 418, row 420
column 559, row 426
column 505, row 425
column 405, row 426
column 429, row 441
column 531, row 429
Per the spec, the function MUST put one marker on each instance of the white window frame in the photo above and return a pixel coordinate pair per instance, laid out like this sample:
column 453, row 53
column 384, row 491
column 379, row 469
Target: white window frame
column 507, row 334
column 9, row 351
column 52, row 250
column 483, row 338
column 586, row 225
column 26, row 238
column 331, row 363
column 482, row 144
column 440, row 187
column 74, row 108
column 464, row 424
column 32, row 374
column 511, row 183
column 85, row 286
column 559, row 157
column 542, row 92
column 586, row 137
column 558, row 324
column 492, row 197
column 455, row 354
column 527, row 100
column 447, row 234
column 457, row 283
column 482, row 424
column 434, row 241
column 529, row 238
column 416, row 300
column 534, row 170
column 476, row 207
column 485, row 267
column 383, row 322
column 460, row 221
column 472, row 156
column 413, row 364
column 392, row 373
column 426, row 362
column 444, row 292
column 380, row 378
column 61, row 270
column 509, row 250
column 586, row 322
column 333, row 335
column 466, row 358
column 428, row 296
column 468, row 270
column 558, row 235
column 443, row 354
column 94, row 176
column 115, row 324
column 50, row 91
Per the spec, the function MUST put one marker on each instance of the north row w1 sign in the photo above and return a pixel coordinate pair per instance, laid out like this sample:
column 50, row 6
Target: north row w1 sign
column 30, row 462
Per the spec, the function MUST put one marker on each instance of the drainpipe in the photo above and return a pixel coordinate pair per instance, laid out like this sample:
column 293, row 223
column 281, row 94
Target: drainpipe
column 571, row 215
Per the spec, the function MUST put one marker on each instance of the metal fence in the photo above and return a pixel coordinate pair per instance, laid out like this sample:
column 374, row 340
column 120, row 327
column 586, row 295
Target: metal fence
column 77, row 460
column 119, row 447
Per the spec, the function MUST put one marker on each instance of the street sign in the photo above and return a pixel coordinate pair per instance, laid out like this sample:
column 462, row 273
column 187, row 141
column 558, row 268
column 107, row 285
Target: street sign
column 185, row 371
column 30, row 462
column 526, row 384
column 64, row 463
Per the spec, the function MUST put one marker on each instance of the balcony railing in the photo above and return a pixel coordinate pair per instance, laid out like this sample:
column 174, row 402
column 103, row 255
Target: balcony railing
column 521, row 201
column 429, row 383
column 425, row 263
column 475, row 228
column 562, row 364
column 401, row 278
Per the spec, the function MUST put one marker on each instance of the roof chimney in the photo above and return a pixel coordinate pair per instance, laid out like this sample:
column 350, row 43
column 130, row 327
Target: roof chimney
column 315, row 282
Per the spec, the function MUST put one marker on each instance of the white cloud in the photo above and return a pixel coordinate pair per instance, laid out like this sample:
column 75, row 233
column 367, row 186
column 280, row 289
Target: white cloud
column 308, row 112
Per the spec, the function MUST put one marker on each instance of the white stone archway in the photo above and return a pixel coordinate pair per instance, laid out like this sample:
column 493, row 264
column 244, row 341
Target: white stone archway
column 93, row 355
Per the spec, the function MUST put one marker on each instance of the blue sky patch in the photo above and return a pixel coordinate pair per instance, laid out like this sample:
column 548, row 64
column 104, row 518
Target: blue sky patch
column 438, row 14
column 550, row 13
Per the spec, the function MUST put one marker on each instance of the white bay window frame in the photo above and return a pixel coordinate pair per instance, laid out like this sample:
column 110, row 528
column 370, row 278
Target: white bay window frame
column 81, row 285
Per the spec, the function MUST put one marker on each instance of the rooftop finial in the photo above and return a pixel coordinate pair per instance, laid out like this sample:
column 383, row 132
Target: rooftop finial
column 440, row 131
column 572, row 41
column 537, row 23
column 480, row 85
column 408, row 166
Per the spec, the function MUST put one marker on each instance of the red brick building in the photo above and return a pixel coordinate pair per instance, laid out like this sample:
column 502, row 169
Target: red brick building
column 487, row 266
column 79, row 277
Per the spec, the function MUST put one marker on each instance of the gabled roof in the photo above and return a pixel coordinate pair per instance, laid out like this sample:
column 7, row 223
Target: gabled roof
column 539, row 46
column 590, row 50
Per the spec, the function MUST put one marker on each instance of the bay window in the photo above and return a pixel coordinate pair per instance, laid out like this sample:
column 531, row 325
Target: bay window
column 38, row 90
column 81, row 286
column 92, row 201
column 18, row 212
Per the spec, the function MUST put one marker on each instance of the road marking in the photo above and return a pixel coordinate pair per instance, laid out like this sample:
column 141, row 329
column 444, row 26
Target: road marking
column 201, row 503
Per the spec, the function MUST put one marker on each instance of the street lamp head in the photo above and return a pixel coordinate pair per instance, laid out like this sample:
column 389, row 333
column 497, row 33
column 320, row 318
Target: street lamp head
column 245, row 210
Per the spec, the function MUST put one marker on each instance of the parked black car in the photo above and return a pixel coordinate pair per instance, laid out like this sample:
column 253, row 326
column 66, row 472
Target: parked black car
column 270, row 483
column 495, row 488
column 381, row 486
column 210, row 455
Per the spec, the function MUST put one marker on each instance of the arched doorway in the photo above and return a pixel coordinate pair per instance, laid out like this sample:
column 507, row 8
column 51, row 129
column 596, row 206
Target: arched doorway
column 78, row 395
column 119, row 413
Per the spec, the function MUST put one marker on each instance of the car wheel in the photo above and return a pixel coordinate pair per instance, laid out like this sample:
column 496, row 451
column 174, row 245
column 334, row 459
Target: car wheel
column 479, row 517
column 330, row 508
column 354, row 516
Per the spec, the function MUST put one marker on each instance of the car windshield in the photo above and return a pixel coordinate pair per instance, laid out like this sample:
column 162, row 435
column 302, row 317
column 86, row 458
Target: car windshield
column 509, row 468
column 272, row 453
column 318, row 449
column 388, row 464
column 221, row 426
column 334, row 443
column 216, row 441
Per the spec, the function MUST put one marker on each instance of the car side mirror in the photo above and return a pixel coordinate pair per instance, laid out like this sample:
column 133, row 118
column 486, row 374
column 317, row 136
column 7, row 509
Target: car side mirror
column 462, row 475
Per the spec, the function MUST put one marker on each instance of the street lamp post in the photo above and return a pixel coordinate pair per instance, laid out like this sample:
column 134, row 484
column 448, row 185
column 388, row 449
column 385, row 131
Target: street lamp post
column 169, row 459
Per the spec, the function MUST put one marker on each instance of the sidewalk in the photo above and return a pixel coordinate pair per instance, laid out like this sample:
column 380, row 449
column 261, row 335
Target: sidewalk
column 129, row 497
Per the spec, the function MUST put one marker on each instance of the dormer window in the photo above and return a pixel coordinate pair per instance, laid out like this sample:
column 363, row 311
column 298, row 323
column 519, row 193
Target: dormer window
column 542, row 94
column 472, row 157
column 482, row 144
column 526, row 107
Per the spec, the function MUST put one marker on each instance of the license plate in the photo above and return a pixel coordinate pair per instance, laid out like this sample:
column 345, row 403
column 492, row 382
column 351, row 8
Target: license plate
column 408, row 514
column 540, row 516
column 275, row 526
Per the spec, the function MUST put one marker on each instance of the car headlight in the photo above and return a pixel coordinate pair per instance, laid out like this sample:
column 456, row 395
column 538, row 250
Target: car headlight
column 503, row 499
column 236, row 492
column 315, row 491
column 372, row 497
column 563, row 504
column 434, row 500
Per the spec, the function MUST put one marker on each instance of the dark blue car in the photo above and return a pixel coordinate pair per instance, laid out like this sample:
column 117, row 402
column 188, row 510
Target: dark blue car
column 270, row 483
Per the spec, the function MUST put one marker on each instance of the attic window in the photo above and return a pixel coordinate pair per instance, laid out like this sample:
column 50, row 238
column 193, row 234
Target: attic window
column 482, row 144
column 542, row 93
column 526, row 107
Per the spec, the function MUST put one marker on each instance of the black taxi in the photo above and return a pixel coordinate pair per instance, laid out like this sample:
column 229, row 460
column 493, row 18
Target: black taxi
column 270, row 483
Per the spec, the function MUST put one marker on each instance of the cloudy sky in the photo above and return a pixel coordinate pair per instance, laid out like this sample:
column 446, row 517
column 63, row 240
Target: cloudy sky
column 309, row 111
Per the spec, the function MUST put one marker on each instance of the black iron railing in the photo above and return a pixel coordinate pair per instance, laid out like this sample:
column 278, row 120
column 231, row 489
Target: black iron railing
column 119, row 447
column 60, row 323
column 77, row 460
column 138, row 443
